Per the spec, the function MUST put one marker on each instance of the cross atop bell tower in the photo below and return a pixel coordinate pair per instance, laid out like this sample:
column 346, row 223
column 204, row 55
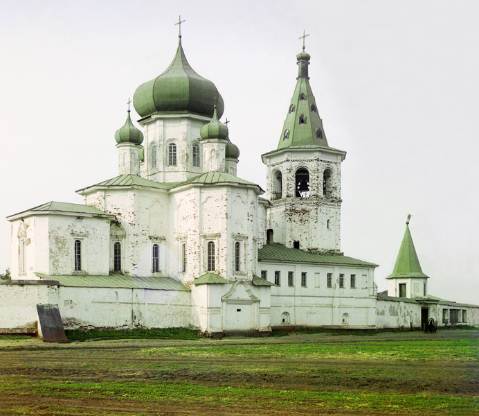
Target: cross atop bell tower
column 303, row 37
column 179, row 23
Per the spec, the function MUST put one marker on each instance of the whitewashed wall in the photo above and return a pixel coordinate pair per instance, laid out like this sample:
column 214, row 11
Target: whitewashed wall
column 318, row 305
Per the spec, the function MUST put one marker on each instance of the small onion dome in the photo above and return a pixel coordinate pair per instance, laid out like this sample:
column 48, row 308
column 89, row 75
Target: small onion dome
column 128, row 133
column 179, row 89
column 303, row 56
column 232, row 151
column 215, row 129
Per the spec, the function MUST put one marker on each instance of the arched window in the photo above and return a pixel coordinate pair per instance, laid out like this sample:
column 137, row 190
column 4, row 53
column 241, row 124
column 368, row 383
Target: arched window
column 328, row 224
column 153, row 150
column 211, row 257
column 172, row 154
column 302, row 96
column 319, row 134
column 285, row 134
column 314, row 108
column 77, row 252
column 155, row 258
column 269, row 236
column 183, row 257
column 196, row 155
column 291, row 108
column 302, row 183
column 327, row 185
column 277, row 185
column 117, row 257
column 302, row 119
column 237, row 256
column 285, row 318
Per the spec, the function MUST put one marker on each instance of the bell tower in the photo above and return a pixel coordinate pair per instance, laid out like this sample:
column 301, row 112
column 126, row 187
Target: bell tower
column 304, row 175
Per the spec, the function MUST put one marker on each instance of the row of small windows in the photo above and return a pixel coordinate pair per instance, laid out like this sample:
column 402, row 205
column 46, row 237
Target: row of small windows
column 454, row 316
column 304, row 279
column 172, row 155
column 302, row 120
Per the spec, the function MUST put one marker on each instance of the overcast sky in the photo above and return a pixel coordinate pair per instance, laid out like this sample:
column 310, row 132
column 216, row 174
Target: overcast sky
column 396, row 83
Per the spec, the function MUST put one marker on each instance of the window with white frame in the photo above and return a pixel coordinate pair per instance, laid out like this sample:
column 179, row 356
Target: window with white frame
column 172, row 154
column 290, row 279
column 211, row 256
column 117, row 257
column 155, row 258
column 77, row 254
column 353, row 281
column 341, row 281
column 304, row 279
column 237, row 256
column 329, row 280
column 196, row 155
column 277, row 278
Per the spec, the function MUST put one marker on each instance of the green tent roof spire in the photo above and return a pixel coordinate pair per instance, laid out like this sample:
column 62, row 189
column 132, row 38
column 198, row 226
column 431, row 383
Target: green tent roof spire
column 303, row 125
column 407, row 262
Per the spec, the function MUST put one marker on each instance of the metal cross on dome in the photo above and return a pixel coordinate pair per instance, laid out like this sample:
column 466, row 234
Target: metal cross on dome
column 304, row 36
column 178, row 23
column 128, row 103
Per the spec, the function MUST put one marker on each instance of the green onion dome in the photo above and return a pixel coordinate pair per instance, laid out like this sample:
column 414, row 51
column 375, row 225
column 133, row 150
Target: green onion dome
column 178, row 90
column 232, row 151
column 215, row 129
column 128, row 133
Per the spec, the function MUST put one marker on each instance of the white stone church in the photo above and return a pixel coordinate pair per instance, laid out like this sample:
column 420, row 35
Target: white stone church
column 177, row 239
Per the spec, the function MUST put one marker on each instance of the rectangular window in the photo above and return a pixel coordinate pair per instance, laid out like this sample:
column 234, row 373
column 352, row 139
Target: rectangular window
column 464, row 316
column 304, row 279
column 330, row 280
column 290, row 279
column 277, row 278
column 183, row 257
column 264, row 274
column 353, row 281
column 77, row 255
column 444, row 316
column 172, row 154
column 196, row 155
column 155, row 258
column 341, row 281
column 317, row 280
column 402, row 290
column 117, row 257
column 211, row 256
column 237, row 256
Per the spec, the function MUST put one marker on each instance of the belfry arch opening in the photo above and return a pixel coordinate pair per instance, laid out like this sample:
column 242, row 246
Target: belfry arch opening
column 327, row 183
column 277, row 185
column 302, row 183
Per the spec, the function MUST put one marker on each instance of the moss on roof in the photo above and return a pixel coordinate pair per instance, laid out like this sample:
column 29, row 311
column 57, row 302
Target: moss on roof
column 54, row 207
column 278, row 253
column 210, row 279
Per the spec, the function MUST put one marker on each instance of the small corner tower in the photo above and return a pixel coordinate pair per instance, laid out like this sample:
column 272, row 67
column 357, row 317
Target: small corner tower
column 129, row 139
column 407, row 279
column 304, row 175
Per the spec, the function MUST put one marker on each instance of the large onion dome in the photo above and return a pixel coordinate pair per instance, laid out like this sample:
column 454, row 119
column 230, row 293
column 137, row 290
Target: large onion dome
column 178, row 90
column 215, row 129
column 128, row 133
column 232, row 151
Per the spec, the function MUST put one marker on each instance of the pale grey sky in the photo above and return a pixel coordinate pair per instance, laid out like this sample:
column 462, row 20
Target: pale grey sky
column 395, row 81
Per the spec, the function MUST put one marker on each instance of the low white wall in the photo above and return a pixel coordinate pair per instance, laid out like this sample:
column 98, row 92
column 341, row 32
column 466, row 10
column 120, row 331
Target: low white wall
column 393, row 314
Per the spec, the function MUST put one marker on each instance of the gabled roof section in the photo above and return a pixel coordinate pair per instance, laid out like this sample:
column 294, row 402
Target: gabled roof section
column 129, row 180
column 407, row 262
column 218, row 178
column 278, row 253
column 61, row 208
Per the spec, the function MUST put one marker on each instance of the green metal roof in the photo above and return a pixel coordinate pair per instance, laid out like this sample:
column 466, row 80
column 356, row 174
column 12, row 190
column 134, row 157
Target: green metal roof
column 278, row 253
column 259, row 281
column 215, row 129
column 54, row 207
column 128, row 133
column 178, row 89
column 212, row 178
column 302, row 126
column 116, row 281
column 407, row 262
column 130, row 180
column 210, row 279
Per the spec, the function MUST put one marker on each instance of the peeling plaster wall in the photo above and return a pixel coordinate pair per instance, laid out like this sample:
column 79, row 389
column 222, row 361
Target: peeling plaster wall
column 318, row 305
column 305, row 219
column 392, row 314
column 163, row 131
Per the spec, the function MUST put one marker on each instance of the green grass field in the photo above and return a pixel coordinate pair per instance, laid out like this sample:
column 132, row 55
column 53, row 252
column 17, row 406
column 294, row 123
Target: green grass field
column 390, row 373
